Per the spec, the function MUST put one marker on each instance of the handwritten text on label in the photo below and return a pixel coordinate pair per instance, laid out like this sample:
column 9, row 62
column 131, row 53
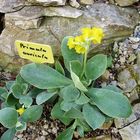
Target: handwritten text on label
column 38, row 53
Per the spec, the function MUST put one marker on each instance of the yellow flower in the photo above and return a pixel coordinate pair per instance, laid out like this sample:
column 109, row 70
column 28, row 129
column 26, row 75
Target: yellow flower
column 97, row 34
column 79, row 39
column 86, row 32
column 21, row 111
column 80, row 49
column 71, row 43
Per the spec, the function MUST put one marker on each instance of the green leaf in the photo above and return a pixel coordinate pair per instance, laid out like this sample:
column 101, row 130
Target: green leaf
column 82, row 123
column 8, row 117
column 9, row 84
column 9, row 134
column 93, row 116
column 109, row 61
column 19, row 90
column 3, row 93
column 77, row 82
column 113, row 88
column 76, row 67
column 34, row 92
column 2, row 90
column 11, row 100
column 70, row 93
column 21, row 126
column 83, row 99
column 80, row 131
column 26, row 101
column 69, row 54
column 66, row 134
column 74, row 113
column 96, row 66
column 32, row 114
column 59, row 67
column 66, row 106
column 43, row 76
column 113, row 104
column 43, row 97
column 57, row 113
column 20, row 80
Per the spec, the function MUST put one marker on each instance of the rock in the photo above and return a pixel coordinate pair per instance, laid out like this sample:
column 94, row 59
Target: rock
column 126, row 2
column 48, row 2
column 11, row 64
column 121, row 123
column 87, row 1
column 74, row 3
column 134, row 96
column 30, row 17
column 105, row 76
column 137, row 32
column 124, row 75
column 31, row 24
column 107, row 124
column 112, row 1
column 7, row 6
column 66, row 11
column 131, row 132
column 53, row 29
column 131, row 58
column 134, row 39
column 126, row 82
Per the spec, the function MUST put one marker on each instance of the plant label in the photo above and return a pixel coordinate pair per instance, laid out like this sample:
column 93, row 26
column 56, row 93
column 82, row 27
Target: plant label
column 38, row 53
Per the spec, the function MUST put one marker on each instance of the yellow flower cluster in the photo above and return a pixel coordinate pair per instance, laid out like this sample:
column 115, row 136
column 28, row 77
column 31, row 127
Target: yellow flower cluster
column 21, row 111
column 79, row 43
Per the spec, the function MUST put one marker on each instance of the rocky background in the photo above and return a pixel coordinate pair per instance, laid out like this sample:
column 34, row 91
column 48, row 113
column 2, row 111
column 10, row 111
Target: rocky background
column 48, row 21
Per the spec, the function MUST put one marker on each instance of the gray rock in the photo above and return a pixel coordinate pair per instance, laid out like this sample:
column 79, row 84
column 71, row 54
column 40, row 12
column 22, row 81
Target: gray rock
column 48, row 2
column 74, row 3
column 66, row 11
column 126, row 2
column 8, row 6
column 121, row 123
column 126, row 81
column 124, row 75
column 30, row 16
column 11, row 5
column 87, row 1
column 131, row 132
column 137, row 32
column 53, row 29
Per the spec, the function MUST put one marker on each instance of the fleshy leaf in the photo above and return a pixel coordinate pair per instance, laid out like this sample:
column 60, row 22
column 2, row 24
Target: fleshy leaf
column 96, row 66
column 8, row 117
column 9, row 134
column 113, row 104
column 93, row 116
column 43, row 97
column 77, row 82
column 57, row 113
column 32, row 114
column 66, row 134
column 43, row 76
column 70, row 93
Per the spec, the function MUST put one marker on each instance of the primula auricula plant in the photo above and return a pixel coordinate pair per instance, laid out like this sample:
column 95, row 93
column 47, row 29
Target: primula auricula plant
column 77, row 103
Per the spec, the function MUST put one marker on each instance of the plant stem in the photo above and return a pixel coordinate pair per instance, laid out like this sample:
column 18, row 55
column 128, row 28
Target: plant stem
column 84, row 62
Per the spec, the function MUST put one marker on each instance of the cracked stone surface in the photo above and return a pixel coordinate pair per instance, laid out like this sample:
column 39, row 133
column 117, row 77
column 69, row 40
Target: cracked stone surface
column 120, row 123
column 48, row 2
column 131, row 132
column 49, row 25
column 126, row 2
